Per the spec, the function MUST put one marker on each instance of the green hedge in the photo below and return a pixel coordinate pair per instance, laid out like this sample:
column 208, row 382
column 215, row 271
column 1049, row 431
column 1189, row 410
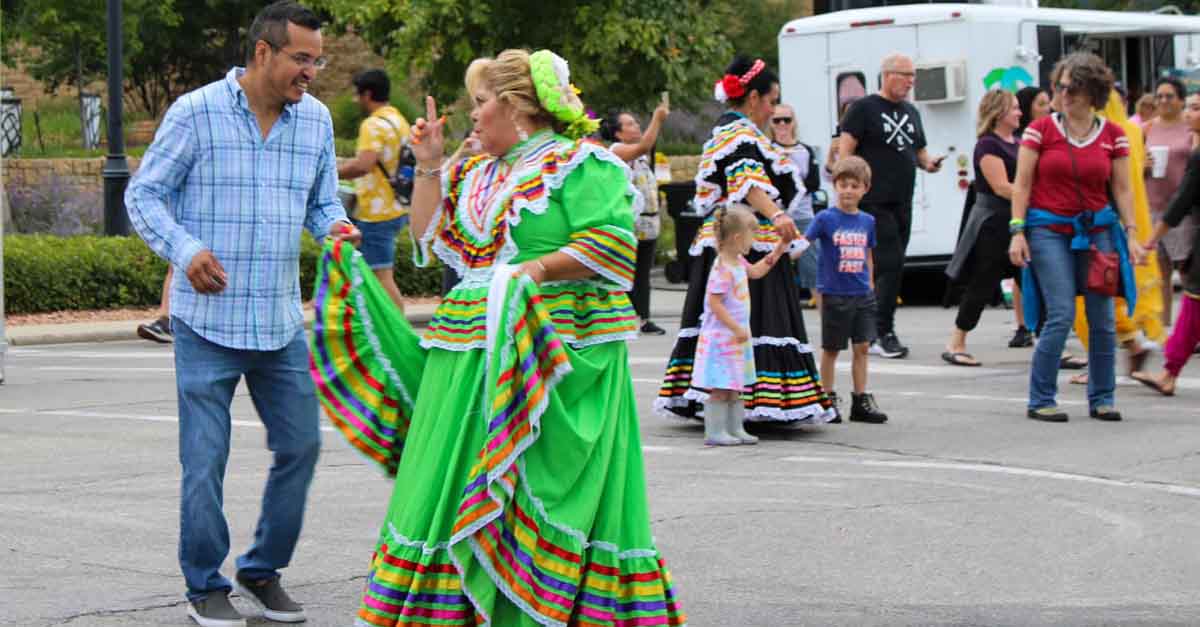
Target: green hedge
column 51, row 273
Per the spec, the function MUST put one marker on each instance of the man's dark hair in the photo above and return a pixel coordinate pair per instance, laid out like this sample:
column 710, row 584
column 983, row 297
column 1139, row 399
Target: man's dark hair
column 374, row 81
column 270, row 25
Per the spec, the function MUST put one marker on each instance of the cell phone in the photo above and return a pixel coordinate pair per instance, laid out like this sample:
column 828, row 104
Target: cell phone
column 665, row 98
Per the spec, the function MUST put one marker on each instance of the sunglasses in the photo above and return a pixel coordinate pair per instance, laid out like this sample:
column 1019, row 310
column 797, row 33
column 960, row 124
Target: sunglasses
column 1060, row 86
column 781, row 120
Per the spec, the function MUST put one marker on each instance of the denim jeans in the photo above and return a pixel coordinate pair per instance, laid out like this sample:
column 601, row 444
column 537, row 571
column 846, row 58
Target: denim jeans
column 206, row 375
column 1059, row 271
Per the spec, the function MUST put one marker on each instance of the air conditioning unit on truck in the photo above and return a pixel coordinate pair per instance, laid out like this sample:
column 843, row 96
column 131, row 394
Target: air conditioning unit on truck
column 961, row 51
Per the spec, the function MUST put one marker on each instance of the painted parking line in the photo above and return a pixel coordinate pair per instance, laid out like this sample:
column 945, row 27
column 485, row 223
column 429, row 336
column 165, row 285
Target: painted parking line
column 100, row 369
column 71, row 413
column 1016, row 471
column 42, row 353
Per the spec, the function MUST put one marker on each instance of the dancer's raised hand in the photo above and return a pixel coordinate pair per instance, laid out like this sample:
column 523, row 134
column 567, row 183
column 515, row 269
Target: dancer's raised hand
column 428, row 140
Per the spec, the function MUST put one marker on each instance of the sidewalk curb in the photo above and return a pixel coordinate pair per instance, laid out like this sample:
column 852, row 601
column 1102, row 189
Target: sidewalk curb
column 107, row 335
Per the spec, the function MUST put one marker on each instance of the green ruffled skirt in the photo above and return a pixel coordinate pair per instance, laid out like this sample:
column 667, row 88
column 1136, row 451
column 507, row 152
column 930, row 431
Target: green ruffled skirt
column 519, row 492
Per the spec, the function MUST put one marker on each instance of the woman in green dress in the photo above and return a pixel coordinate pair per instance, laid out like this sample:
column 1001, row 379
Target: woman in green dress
column 510, row 425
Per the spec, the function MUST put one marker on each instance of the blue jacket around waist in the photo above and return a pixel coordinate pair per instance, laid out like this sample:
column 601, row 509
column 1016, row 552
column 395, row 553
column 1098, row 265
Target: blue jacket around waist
column 1082, row 226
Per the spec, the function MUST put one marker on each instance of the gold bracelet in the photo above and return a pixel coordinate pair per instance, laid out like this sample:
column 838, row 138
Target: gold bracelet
column 432, row 173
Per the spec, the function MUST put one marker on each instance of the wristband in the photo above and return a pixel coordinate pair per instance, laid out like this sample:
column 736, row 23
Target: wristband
column 1016, row 225
column 542, row 266
column 781, row 214
column 432, row 173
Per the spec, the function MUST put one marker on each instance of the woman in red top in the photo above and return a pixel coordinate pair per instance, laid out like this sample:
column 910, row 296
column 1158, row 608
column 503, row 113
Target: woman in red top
column 1066, row 165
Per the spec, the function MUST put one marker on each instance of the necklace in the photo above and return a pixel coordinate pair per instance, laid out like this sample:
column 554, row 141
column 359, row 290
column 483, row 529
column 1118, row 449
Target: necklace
column 1072, row 134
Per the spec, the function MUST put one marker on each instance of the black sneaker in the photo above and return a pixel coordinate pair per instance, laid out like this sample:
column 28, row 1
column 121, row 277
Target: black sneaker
column 833, row 404
column 649, row 328
column 863, row 408
column 215, row 610
column 157, row 331
column 269, row 596
column 1105, row 412
column 1047, row 414
column 1021, row 339
column 889, row 346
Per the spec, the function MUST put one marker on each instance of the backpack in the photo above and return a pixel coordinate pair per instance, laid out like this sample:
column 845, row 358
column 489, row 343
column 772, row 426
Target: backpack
column 402, row 179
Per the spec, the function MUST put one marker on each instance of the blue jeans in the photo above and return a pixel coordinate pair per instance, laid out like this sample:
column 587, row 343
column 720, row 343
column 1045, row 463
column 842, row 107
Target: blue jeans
column 1059, row 274
column 206, row 375
column 378, row 245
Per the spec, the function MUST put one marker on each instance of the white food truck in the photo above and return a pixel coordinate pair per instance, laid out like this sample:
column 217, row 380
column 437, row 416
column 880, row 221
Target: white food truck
column 960, row 51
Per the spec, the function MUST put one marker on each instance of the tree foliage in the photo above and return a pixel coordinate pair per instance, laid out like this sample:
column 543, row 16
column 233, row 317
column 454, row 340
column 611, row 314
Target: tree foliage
column 170, row 46
column 622, row 52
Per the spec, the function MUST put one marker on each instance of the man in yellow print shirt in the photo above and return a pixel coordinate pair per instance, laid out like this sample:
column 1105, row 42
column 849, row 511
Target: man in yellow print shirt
column 377, row 213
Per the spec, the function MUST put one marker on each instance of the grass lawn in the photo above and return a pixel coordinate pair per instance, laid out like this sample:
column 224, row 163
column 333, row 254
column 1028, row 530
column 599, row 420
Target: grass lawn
column 61, row 134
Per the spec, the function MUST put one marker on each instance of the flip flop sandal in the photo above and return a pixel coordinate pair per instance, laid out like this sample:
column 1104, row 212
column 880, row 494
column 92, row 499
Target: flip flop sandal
column 1152, row 384
column 1071, row 362
column 1137, row 361
column 1079, row 379
column 959, row 359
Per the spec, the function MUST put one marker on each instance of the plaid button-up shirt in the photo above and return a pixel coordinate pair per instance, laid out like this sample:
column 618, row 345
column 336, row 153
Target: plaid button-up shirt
column 210, row 181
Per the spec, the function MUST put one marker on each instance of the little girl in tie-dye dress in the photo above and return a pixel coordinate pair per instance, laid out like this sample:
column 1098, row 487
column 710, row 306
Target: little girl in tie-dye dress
column 724, row 364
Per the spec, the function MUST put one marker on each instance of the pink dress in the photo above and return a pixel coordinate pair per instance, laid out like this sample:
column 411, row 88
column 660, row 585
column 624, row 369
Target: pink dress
column 722, row 363
column 1177, row 243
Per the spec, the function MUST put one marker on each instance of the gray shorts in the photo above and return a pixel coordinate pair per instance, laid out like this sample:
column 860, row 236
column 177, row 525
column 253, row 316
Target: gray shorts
column 846, row 318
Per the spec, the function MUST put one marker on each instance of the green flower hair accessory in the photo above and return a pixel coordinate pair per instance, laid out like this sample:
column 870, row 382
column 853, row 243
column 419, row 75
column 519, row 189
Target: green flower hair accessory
column 552, row 80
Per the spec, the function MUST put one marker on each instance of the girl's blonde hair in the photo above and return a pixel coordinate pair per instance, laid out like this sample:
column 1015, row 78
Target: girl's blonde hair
column 509, row 78
column 996, row 103
column 731, row 220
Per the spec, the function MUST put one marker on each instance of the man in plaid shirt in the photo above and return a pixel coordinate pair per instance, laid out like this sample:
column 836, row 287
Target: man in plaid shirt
column 236, row 170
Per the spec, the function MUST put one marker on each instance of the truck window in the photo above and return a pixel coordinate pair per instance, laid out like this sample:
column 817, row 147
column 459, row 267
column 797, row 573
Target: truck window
column 849, row 86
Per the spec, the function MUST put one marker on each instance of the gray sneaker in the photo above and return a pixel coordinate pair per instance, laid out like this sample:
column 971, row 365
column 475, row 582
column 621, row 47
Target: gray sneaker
column 269, row 596
column 215, row 610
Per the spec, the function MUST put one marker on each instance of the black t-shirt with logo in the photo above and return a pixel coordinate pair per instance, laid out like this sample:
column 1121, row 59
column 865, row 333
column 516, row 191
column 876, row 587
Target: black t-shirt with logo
column 889, row 135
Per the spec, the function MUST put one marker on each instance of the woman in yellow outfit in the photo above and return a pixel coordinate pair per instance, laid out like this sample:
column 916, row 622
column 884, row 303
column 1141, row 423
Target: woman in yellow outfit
column 1148, row 309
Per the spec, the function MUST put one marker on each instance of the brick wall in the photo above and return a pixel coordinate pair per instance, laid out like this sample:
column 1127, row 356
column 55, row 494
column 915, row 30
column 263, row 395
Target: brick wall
column 79, row 175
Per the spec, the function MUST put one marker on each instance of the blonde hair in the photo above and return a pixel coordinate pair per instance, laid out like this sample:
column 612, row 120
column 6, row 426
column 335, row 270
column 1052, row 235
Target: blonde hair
column 996, row 103
column 852, row 167
column 730, row 220
column 508, row 77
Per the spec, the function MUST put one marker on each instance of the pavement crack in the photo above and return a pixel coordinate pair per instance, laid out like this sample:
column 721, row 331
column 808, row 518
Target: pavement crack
column 66, row 620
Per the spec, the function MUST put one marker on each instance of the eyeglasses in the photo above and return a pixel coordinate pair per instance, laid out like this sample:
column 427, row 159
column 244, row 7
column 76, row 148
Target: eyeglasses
column 1065, row 87
column 781, row 120
column 303, row 60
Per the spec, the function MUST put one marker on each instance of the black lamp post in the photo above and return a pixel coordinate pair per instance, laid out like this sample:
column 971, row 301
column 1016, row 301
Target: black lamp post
column 116, row 168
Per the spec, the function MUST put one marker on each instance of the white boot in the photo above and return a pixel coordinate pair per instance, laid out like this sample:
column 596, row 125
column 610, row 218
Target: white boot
column 737, row 421
column 716, row 417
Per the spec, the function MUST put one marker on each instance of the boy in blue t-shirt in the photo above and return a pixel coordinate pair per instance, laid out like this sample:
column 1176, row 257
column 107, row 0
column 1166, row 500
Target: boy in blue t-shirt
column 846, row 282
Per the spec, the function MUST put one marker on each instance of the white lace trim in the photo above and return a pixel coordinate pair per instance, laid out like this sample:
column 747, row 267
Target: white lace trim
column 356, row 280
column 767, row 340
column 700, row 243
column 809, row 414
column 689, row 332
column 780, row 163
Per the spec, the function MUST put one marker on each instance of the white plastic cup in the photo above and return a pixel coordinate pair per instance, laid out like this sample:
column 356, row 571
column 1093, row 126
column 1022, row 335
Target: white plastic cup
column 1160, row 154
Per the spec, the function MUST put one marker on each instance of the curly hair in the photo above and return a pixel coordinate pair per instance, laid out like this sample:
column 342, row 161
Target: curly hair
column 1089, row 77
column 508, row 77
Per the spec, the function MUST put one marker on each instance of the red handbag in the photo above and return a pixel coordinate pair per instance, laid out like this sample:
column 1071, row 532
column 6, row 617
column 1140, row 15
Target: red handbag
column 1104, row 272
